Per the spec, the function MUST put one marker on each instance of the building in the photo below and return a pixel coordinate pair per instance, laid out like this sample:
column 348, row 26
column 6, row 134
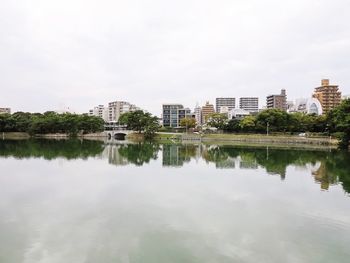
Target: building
column 237, row 114
column 5, row 110
column 307, row 106
column 99, row 111
column 328, row 95
column 345, row 97
column 117, row 108
column 230, row 103
column 277, row 101
column 207, row 110
column 250, row 104
column 173, row 113
column 224, row 110
column 198, row 114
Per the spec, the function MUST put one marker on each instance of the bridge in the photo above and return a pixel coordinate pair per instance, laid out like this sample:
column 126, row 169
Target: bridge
column 115, row 131
column 117, row 134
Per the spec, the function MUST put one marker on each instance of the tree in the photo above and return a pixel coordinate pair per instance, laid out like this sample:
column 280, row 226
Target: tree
column 140, row 121
column 276, row 119
column 217, row 120
column 151, row 127
column 232, row 126
column 339, row 120
column 188, row 122
column 247, row 124
column 6, row 122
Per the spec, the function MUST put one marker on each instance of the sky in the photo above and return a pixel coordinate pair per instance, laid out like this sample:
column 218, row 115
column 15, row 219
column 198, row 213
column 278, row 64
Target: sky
column 82, row 53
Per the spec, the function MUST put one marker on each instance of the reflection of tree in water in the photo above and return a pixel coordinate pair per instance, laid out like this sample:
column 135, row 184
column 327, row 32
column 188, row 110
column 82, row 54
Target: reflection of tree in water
column 177, row 155
column 334, row 166
column 338, row 166
column 50, row 149
column 215, row 154
column 140, row 153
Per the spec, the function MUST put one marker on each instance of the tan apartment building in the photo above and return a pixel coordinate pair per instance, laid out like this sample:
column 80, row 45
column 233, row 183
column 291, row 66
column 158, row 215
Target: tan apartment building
column 207, row 110
column 328, row 95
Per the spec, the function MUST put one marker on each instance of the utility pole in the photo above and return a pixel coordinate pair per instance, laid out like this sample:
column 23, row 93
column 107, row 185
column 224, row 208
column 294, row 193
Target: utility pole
column 267, row 128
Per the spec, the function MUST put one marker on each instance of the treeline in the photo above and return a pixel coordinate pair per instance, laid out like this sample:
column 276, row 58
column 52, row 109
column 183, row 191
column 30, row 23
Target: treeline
column 274, row 120
column 50, row 122
column 336, row 122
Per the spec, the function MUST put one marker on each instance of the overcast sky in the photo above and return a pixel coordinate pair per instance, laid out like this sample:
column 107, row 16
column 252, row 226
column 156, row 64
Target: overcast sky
column 81, row 53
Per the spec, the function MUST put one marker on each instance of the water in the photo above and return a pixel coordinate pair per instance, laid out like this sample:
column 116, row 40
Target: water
column 73, row 201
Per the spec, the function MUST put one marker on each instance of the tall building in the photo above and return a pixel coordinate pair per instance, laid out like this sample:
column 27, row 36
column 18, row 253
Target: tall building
column 173, row 113
column 250, row 104
column 207, row 110
column 117, row 108
column 99, row 111
column 230, row 103
column 5, row 110
column 277, row 101
column 328, row 95
column 198, row 114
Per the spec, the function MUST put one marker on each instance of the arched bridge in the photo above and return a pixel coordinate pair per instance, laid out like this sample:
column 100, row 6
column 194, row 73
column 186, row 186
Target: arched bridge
column 116, row 131
column 117, row 134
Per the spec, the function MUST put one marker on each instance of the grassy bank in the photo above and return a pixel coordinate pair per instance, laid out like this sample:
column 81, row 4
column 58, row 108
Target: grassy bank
column 14, row 135
column 252, row 139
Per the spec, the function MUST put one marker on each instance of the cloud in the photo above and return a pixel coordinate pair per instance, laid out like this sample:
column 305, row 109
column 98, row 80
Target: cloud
column 83, row 53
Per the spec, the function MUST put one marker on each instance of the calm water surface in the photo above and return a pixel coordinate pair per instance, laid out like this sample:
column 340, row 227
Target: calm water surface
column 73, row 201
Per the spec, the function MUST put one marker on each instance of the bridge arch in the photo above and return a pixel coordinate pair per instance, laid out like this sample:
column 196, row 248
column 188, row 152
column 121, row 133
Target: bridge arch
column 119, row 136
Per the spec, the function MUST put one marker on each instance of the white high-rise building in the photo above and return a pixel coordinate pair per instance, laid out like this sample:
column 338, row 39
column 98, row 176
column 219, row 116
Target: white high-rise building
column 99, row 111
column 117, row 108
column 198, row 114
column 250, row 104
column 230, row 103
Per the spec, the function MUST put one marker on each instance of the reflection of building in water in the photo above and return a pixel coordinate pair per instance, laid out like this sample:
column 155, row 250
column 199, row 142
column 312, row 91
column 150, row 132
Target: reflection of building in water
column 171, row 155
column 248, row 165
column 177, row 155
column 323, row 177
column 114, row 157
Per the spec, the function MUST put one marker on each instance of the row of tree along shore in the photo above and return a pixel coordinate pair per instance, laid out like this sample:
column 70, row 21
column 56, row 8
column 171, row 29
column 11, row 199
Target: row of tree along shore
column 335, row 123
column 50, row 123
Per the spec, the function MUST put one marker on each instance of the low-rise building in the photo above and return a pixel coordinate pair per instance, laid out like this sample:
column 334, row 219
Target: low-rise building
column 237, row 114
column 307, row 106
column 5, row 110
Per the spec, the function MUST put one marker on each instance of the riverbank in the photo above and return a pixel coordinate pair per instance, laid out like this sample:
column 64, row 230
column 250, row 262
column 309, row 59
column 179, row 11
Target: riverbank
column 255, row 139
column 24, row 136
column 236, row 139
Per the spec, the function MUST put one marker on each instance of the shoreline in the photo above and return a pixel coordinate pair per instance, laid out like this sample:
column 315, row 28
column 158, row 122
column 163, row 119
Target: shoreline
column 221, row 139
column 250, row 139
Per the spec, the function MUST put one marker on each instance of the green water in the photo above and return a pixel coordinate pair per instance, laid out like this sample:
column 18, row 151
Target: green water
column 87, row 201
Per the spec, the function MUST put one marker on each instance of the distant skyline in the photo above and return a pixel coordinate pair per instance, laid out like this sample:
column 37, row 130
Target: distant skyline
column 82, row 53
